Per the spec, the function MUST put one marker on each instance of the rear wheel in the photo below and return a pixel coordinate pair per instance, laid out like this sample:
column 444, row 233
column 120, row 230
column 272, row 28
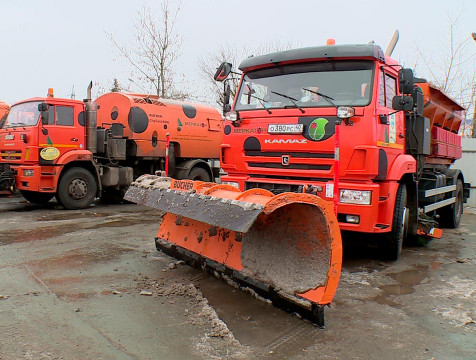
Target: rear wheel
column 36, row 197
column 391, row 244
column 199, row 174
column 450, row 216
column 77, row 188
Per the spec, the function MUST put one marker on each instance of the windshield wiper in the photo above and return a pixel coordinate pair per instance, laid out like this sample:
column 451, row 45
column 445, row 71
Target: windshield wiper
column 290, row 98
column 260, row 100
column 327, row 98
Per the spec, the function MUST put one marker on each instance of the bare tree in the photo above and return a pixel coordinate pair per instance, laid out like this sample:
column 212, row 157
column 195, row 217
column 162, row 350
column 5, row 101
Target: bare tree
column 233, row 54
column 454, row 72
column 155, row 49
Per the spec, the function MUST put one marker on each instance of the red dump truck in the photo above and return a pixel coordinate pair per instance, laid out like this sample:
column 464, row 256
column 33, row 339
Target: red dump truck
column 77, row 150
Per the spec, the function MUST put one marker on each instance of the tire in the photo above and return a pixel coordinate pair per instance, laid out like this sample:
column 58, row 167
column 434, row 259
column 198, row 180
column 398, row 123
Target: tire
column 37, row 197
column 391, row 244
column 450, row 216
column 77, row 189
column 199, row 174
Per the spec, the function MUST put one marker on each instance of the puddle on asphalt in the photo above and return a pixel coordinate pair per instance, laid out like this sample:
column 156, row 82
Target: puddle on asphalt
column 122, row 222
column 410, row 277
column 79, row 258
column 19, row 235
column 70, row 215
column 397, row 289
column 407, row 280
column 256, row 323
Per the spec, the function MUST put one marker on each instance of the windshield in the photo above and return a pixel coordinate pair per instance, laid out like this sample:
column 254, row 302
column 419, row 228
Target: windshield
column 25, row 114
column 318, row 84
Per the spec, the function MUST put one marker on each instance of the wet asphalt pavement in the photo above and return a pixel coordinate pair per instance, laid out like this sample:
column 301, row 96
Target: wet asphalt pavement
column 89, row 284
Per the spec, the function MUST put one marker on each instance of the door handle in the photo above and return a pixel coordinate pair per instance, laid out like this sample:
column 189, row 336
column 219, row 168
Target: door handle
column 74, row 139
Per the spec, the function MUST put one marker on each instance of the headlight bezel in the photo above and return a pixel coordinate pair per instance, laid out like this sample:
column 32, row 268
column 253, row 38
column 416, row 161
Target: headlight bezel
column 355, row 197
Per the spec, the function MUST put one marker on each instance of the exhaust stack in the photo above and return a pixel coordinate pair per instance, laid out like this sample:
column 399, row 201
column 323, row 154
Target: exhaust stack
column 392, row 43
column 91, row 121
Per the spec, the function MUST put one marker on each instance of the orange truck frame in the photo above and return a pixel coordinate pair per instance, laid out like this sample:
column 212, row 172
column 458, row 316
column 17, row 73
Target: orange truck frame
column 349, row 124
column 78, row 151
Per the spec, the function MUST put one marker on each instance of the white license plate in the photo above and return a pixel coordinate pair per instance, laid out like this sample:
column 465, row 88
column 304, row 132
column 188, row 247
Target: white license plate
column 9, row 137
column 285, row 128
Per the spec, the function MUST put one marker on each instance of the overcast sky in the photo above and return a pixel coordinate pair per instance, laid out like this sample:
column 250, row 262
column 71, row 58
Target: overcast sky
column 60, row 43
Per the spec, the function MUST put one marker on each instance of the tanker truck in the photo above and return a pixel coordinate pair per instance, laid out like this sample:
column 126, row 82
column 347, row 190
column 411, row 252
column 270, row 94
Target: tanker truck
column 77, row 151
column 317, row 140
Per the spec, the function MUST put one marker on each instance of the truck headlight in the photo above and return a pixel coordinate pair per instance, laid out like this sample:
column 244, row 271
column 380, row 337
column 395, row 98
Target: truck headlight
column 28, row 172
column 345, row 112
column 358, row 197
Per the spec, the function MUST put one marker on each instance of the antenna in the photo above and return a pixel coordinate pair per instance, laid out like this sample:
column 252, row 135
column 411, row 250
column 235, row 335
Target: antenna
column 392, row 43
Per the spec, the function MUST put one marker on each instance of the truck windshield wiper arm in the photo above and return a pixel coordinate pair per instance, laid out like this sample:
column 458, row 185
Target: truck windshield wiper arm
column 260, row 100
column 294, row 101
column 327, row 98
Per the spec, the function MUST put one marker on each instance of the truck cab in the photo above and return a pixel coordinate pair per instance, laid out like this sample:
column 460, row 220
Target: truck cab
column 36, row 146
column 322, row 120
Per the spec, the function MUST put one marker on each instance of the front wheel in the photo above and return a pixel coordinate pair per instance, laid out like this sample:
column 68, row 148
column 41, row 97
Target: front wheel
column 36, row 197
column 391, row 244
column 77, row 189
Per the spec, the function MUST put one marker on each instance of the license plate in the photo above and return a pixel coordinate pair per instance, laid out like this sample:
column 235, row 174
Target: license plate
column 285, row 128
column 9, row 137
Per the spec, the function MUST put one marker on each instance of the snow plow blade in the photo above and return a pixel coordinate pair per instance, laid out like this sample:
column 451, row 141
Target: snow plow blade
column 285, row 247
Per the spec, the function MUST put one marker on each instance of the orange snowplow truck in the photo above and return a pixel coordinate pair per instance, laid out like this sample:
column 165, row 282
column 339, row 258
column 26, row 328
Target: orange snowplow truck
column 318, row 140
column 350, row 125
column 78, row 150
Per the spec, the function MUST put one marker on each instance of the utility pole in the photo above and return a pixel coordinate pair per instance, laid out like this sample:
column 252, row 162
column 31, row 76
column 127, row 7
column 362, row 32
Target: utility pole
column 473, row 133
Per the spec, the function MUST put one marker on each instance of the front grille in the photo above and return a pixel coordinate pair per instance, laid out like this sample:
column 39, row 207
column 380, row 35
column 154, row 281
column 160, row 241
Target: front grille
column 292, row 154
column 290, row 166
column 304, row 163
column 10, row 154
column 275, row 188
column 301, row 178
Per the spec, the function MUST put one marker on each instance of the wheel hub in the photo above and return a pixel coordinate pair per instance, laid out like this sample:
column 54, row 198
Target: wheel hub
column 78, row 189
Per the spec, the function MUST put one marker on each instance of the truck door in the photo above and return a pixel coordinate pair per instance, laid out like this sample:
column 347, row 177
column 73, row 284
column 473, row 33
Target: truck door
column 390, row 126
column 62, row 132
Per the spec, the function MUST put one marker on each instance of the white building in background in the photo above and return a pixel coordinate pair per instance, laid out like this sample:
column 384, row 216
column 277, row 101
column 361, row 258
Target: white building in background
column 467, row 164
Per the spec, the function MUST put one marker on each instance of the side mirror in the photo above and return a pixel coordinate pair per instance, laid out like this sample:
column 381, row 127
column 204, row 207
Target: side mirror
column 404, row 103
column 43, row 108
column 223, row 71
column 405, row 78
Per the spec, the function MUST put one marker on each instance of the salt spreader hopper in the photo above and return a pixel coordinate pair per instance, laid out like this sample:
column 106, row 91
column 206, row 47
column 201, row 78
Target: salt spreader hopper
column 286, row 247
